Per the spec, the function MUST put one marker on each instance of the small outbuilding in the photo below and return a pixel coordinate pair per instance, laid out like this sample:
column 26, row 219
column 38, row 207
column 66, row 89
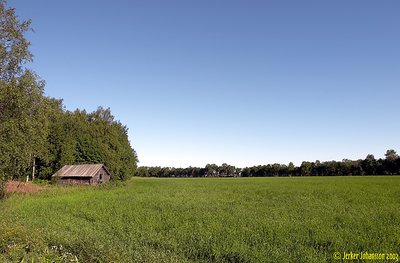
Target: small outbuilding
column 82, row 174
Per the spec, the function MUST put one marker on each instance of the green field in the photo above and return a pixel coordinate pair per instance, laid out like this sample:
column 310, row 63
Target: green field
column 203, row 220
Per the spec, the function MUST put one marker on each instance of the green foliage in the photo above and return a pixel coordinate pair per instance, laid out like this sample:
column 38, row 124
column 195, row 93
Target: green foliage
column 41, row 182
column 23, row 122
column 369, row 166
column 80, row 137
column 2, row 185
column 205, row 220
column 14, row 46
column 23, row 126
column 391, row 155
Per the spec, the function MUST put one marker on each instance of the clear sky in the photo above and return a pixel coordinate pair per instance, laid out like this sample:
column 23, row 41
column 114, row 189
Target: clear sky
column 241, row 82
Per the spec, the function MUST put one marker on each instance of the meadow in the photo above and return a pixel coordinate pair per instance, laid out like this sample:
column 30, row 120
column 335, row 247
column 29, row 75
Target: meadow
column 204, row 220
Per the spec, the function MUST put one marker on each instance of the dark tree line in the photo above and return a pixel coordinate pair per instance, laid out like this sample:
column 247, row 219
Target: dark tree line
column 369, row 166
column 37, row 135
column 211, row 170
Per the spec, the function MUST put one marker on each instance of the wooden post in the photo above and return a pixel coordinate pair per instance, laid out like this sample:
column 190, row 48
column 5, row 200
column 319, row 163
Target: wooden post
column 27, row 176
column 33, row 169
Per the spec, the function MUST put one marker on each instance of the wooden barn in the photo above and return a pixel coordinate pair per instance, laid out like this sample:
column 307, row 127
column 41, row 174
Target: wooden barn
column 82, row 174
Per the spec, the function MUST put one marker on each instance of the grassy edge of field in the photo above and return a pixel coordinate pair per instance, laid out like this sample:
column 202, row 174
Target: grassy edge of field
column 21, row 243
column 289, row 224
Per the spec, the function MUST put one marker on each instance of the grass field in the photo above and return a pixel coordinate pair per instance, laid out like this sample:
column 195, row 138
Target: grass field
column 203, row 220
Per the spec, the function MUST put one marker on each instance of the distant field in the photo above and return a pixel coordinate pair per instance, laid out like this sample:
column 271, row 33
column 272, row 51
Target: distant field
column 203, row 220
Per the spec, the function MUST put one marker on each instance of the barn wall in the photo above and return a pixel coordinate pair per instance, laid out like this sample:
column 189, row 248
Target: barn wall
column 78, row 180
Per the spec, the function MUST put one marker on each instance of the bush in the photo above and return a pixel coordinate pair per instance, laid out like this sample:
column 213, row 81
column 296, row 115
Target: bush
column 2, row 186
column 41, row 182
column 2, row 189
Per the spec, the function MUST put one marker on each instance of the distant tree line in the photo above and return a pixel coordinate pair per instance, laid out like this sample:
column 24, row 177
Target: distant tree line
column 211, row 170
column 369, row 166
column 37, row 134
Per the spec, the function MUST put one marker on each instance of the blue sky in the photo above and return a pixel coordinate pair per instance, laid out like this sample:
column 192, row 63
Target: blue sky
column 241, row 82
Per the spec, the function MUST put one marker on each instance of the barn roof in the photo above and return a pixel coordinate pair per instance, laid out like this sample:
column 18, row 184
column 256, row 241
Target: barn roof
column 80, row 170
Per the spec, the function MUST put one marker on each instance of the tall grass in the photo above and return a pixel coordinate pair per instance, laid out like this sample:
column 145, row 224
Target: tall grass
column 203, row 220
